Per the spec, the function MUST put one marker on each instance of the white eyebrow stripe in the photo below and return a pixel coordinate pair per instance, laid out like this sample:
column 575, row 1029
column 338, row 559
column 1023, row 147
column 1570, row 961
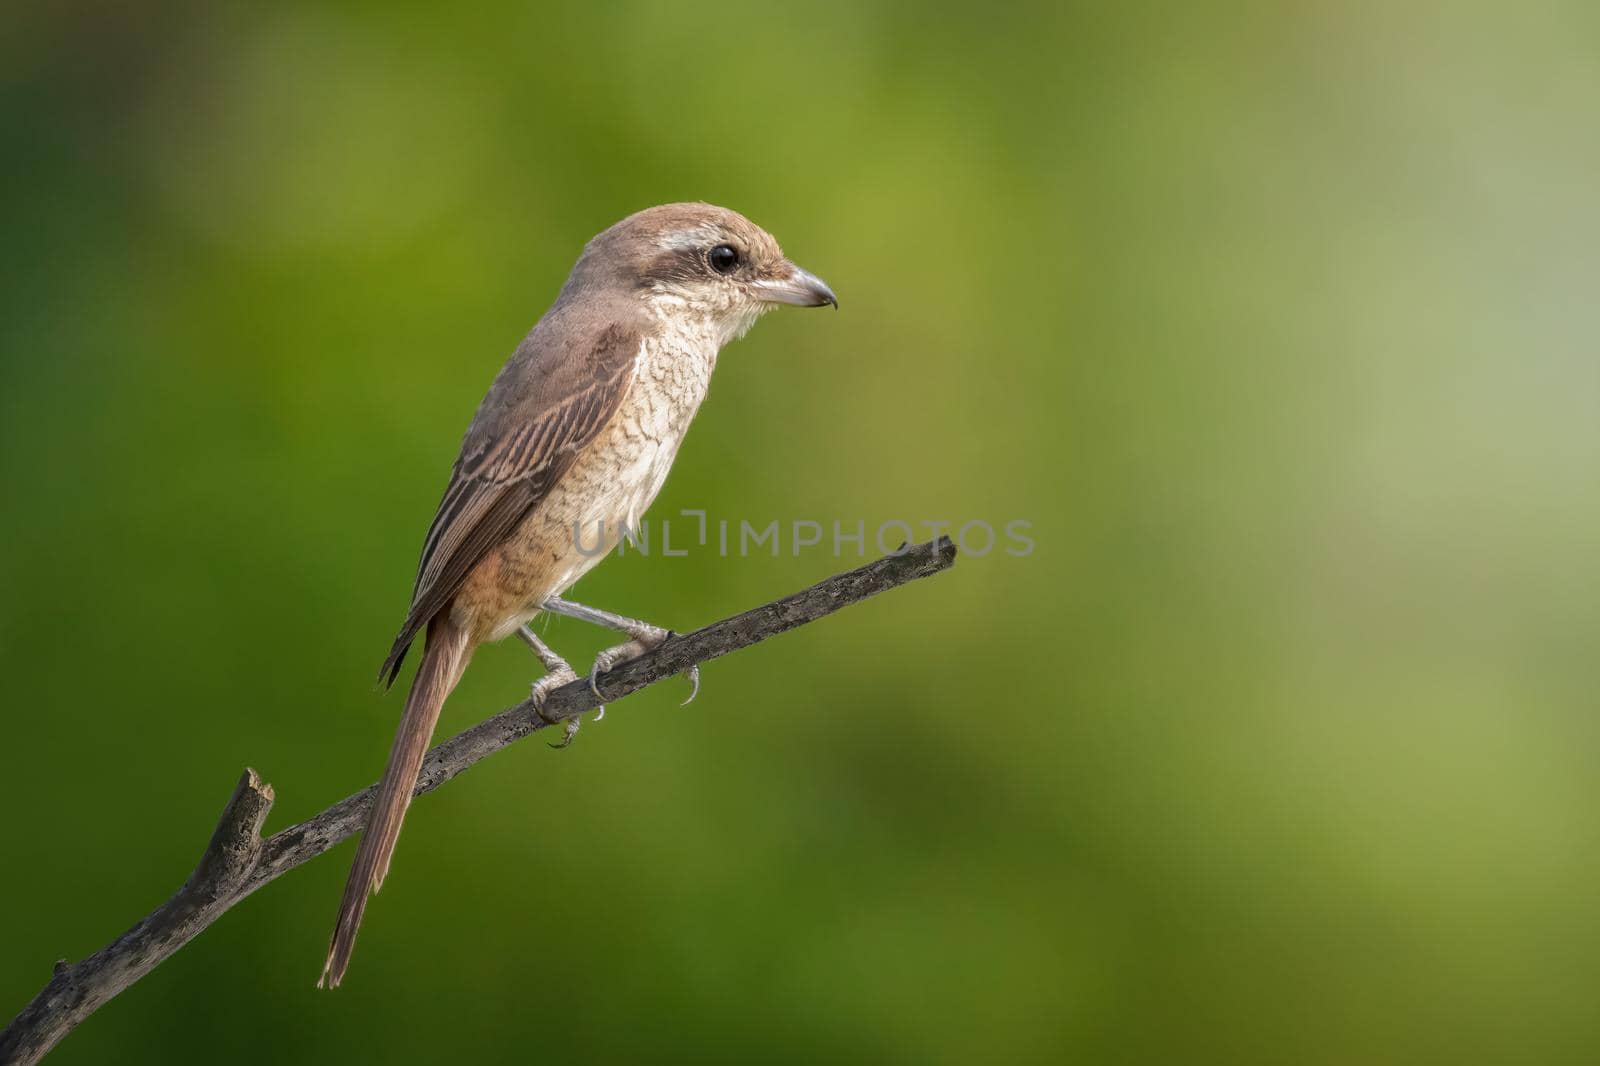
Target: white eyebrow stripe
column 687, row 238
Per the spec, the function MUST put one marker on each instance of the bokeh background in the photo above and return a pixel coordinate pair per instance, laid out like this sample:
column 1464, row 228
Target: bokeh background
column 1277, row 322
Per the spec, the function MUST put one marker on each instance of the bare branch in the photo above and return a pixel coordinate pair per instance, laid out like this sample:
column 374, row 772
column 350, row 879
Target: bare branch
column 76, row 991
column 237, row 861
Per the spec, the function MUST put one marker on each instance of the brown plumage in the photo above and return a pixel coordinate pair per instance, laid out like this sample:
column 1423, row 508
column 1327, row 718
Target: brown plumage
column 577, row 431
column 514, row 451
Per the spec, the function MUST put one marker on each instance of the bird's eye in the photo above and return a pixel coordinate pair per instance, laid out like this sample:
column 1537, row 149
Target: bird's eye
column 723, row 258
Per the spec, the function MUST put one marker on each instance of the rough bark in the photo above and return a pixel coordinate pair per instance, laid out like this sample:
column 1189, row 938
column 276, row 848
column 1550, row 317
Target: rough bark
column 237, row 861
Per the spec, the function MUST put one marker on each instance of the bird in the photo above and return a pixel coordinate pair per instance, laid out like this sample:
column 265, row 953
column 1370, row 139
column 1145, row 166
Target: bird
column 577, row 433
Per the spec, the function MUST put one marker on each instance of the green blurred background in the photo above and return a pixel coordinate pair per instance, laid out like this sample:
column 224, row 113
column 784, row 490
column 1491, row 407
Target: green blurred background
column 1277, row 321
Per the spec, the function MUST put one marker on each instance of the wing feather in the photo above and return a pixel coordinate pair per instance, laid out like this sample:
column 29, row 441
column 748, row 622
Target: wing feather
column 511, row 458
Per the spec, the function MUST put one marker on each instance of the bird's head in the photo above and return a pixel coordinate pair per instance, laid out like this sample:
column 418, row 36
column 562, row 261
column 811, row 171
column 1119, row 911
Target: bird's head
column 700, row 262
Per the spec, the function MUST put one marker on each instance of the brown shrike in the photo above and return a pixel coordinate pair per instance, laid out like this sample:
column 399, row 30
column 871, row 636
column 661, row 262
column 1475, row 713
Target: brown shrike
column 577, row 432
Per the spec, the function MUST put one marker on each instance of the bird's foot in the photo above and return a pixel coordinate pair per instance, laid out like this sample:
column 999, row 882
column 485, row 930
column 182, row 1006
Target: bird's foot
column 558, row 672
column 644, row 640
column 540, row 692
column 611, row 657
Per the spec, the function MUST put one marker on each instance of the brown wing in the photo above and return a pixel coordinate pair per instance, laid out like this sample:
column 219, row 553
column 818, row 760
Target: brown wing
column 547, row 404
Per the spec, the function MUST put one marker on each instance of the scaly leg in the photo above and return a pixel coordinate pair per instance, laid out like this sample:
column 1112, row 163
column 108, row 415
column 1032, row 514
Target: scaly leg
column 645, row 637
column 557, row 673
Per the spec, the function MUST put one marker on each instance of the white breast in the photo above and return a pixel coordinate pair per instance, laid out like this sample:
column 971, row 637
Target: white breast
column 670, row 382
column 615, row 482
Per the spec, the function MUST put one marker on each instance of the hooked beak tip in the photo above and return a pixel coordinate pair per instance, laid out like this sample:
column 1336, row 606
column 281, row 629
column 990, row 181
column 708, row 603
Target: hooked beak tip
column 823, row 294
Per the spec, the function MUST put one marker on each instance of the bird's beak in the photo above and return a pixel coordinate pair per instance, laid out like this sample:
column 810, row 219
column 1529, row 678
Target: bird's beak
column 799, row 287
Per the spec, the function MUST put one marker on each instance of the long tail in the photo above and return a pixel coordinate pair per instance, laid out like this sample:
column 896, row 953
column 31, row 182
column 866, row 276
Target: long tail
column 442, row 665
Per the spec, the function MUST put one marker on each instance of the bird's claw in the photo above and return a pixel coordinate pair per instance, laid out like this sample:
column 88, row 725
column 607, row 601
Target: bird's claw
column 571, row 731
column 541, row 689
column 693, row 673
column 639, row 645
column 609, row 658
column 560, row 675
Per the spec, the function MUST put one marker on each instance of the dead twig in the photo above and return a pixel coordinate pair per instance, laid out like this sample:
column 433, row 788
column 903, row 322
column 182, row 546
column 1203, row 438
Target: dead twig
column 238, row 861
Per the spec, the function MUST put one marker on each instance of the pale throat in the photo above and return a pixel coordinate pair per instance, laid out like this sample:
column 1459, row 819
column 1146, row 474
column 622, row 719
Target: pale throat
column 696, row 317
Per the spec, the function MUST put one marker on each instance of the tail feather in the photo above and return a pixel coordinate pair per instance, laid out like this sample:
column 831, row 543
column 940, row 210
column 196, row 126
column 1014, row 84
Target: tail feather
column 442, row 665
